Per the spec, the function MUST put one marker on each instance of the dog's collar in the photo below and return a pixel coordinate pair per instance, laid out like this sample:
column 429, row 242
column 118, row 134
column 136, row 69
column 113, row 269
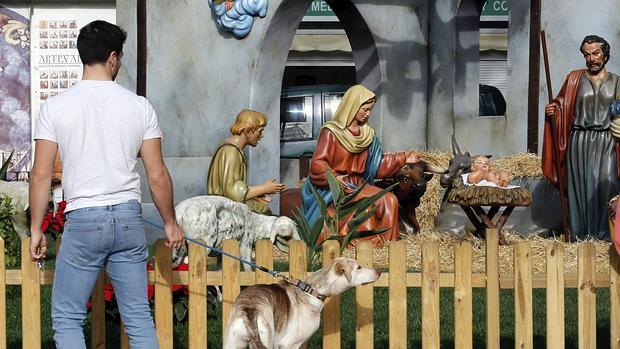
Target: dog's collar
column 306, row 288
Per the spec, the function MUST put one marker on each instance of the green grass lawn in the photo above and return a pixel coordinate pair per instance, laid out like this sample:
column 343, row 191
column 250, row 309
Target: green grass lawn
column 348, row 320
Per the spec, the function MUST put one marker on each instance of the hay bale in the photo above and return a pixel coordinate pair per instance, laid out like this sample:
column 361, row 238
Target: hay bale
column 526, row 165
column 519, row 165
column 447, row 242
column 431, row 200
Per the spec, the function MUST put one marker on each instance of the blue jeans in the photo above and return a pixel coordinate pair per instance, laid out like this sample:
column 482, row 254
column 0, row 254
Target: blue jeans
column 94, row 237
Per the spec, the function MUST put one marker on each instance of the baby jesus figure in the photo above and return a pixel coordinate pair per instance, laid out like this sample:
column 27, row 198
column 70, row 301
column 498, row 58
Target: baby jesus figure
column 481, row 170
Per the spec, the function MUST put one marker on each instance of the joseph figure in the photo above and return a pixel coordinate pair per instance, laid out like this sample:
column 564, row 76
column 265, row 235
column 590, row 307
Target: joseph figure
column 580, row 155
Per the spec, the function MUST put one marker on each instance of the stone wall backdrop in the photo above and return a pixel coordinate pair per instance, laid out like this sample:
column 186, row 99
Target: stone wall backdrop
column 199, row 77
column 420, row 57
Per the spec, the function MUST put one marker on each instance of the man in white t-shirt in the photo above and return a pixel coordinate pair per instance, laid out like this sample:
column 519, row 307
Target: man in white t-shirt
column 100, row 128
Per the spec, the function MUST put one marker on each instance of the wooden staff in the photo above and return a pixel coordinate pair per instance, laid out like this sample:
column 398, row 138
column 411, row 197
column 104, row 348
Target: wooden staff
column 543, row 41
column 141, row 56
column 561, row 181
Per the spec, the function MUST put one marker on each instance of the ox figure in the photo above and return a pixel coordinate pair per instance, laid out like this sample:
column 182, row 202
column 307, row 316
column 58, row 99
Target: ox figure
column 412, row 179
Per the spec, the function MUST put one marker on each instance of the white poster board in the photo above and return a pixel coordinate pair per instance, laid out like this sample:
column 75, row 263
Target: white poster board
column 55, row 61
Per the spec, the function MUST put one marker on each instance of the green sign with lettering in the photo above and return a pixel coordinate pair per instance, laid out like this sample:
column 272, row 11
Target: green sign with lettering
column 495, row 8
column 319, row 8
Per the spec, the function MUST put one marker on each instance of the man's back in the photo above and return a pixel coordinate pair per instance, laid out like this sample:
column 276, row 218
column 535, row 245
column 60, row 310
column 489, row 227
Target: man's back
column 99, row 127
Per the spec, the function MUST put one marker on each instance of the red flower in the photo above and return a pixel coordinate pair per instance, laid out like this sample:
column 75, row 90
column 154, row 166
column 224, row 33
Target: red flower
column 45, row 223
column 54, row 224
column 175, row 288
column 108, row 290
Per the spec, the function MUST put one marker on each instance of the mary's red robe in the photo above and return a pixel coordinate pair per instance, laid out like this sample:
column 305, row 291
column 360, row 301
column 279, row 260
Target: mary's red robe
column 331, row 155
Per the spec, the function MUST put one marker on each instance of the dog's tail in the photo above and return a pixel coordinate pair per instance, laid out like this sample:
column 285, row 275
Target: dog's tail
column 252, row 327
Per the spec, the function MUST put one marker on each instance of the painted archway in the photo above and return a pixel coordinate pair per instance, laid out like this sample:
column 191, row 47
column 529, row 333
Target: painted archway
column 273, row 53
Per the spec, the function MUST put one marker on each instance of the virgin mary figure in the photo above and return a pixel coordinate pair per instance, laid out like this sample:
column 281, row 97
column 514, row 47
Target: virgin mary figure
column 348, row 147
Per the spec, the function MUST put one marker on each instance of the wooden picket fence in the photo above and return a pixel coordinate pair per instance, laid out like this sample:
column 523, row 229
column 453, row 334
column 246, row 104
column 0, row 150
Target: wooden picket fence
column 397, row 279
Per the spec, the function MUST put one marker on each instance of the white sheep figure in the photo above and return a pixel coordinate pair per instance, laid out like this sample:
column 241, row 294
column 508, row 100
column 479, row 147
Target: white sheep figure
column 214, row 219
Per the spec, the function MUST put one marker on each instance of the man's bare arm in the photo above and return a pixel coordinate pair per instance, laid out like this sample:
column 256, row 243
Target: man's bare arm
column 39, row 194
column 160, row 184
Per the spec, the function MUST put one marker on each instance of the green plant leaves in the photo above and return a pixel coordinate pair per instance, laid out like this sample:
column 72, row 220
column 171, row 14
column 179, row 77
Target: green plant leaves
column 360, row 235
column 362, row 217
column 344, row 207
column 319, row 199
column 180, row 309
column 302, row 225
column 12, row 242
column 334, row 186
column 5, row 166
column 309, row 235
column 365, row 202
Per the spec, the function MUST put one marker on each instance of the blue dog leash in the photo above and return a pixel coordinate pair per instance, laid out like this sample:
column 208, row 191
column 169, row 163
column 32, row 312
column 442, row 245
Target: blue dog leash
column 296, row 282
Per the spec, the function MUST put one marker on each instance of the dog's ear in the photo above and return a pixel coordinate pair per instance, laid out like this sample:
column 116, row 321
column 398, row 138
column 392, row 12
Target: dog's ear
column 343, row 267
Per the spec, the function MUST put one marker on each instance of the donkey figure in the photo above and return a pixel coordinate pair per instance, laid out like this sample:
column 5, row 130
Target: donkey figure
column 459, row 164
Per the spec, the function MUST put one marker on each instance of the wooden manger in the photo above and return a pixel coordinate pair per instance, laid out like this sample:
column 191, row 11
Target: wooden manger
column 482, row 203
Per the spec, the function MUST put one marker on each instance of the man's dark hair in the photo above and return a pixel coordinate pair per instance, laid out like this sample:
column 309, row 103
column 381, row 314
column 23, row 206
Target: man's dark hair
column 591, row 39
column 98, row 39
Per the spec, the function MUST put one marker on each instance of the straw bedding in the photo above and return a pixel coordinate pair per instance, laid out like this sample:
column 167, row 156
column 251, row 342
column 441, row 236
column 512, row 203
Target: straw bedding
column 515, row 165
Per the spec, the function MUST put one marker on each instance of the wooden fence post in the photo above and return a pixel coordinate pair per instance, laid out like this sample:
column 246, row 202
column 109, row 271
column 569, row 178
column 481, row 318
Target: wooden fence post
column 231, row 280
column 614, row 294
column 555, row 295
column 31, row 299
column 397, row 302
column 430, row 295
column 163, row 294
column 463, row 316
column 98, row 313
column 3, row 338
column 430, row 284
column 523, row 295
column 586, row 291
column 298, row 261
column 364, row 301
column 492, row 296
column 197, row 287
column 331, row 310
column 264, row 257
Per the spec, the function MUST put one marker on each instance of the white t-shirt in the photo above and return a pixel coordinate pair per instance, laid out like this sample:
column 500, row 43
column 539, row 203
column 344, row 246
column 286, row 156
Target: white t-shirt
column 99, row 127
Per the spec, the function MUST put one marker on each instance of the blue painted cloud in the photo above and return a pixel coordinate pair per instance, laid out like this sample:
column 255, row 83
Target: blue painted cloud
column 239, row 19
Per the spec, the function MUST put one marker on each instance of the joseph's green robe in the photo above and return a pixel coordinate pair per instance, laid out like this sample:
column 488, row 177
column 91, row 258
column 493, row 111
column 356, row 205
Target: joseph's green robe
column 228, row 177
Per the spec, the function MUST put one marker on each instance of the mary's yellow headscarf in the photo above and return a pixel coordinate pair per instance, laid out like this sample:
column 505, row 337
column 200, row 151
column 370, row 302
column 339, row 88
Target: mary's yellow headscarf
column 350, row 104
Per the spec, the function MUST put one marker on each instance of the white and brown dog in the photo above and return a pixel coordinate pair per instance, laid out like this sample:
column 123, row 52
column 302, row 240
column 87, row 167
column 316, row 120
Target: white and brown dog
column 286, row 314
